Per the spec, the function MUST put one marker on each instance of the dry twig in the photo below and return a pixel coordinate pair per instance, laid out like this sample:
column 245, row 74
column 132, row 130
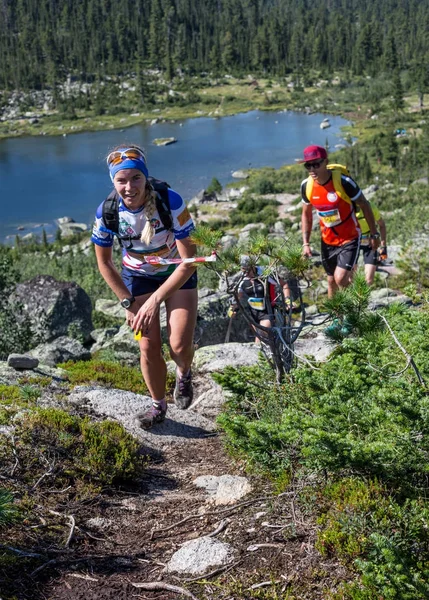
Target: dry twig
column 159, row 586
column 222, row 525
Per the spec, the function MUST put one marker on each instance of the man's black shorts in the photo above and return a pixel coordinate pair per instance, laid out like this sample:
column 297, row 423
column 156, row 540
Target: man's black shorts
column 344, row 256
column 369, row 256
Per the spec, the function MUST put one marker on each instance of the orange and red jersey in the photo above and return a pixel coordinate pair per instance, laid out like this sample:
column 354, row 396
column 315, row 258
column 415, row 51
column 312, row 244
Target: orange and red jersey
column 338, row 222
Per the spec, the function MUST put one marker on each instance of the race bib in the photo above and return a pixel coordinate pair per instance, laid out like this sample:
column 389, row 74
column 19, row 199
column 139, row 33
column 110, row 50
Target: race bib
column 364, row 240
column 256, row 303
column 330, row 218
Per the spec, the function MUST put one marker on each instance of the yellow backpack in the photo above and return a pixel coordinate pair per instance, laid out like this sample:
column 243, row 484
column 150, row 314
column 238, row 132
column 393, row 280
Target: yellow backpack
column 337, row 171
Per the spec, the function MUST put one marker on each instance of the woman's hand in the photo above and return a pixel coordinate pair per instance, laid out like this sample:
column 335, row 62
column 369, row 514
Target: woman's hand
column 145, row 316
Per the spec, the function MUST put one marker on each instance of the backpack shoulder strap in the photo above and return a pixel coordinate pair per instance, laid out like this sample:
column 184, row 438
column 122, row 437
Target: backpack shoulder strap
column 336, row 180
column 309, row 188
column 162, row 201
column 110, row 212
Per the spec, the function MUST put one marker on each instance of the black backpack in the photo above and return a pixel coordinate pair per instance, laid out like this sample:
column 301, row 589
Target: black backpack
column 110, row 210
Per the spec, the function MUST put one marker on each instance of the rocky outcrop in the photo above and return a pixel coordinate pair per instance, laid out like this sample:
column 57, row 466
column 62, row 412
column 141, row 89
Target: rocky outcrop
column 55, row 308
column 60, row 350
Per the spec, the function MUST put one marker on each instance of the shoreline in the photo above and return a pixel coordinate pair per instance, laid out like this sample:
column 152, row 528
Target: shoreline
column 219, row 100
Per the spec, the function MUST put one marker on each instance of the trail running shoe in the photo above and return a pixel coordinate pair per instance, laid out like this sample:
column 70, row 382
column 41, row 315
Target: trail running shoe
column 183, row 392
column 155, row 414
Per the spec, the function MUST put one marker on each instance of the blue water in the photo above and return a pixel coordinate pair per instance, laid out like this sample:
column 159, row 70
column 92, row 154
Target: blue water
column 44, row 178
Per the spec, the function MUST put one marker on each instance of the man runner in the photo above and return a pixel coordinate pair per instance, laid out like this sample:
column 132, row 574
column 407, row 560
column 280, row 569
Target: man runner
column 333, row 195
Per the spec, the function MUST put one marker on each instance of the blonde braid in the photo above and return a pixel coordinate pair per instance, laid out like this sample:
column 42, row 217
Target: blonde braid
column 149, row 211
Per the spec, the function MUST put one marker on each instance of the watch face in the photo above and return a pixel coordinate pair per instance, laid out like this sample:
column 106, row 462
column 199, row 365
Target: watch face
column 125, row 303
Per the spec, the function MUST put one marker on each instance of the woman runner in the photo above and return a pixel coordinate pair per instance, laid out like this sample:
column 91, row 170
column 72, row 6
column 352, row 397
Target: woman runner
column 142, row 287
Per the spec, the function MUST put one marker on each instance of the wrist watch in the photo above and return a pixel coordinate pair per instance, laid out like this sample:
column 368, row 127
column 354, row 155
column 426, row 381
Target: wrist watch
column 375, row 236
column 126, row 302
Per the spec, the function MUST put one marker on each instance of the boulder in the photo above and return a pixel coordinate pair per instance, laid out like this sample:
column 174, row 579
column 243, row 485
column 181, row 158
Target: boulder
column 22, row 361
column 54, row 308
column 216, row 358
column 60, row 350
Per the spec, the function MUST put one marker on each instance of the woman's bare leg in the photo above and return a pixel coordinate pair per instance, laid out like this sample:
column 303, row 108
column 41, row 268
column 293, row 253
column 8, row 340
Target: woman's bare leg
column 152, row 363
column 181, row 320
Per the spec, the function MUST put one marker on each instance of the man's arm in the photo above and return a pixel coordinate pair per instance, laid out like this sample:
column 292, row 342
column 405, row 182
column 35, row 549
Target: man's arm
column 369, row 217
column 383, row 235
column 306, row 226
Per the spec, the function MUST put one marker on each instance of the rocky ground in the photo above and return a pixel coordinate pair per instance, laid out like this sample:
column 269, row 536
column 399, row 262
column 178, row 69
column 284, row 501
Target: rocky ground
column 195, row 525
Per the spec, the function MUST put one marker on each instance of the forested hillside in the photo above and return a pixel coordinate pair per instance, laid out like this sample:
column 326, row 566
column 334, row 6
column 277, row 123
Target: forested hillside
column 43, row 41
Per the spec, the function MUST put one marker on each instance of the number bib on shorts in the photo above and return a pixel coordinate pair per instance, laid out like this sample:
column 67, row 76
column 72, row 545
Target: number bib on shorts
column 364, row 240
column 256, row 303
column 330, row 218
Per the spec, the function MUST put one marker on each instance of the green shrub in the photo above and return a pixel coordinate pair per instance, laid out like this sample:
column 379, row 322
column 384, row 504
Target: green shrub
column 350, row 413
column 214, row 187
column 94, row 452
column 383, row 538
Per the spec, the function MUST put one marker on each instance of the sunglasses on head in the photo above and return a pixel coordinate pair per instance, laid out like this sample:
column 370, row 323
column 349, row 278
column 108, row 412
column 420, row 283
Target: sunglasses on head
column 117, row 156
column 313, row 165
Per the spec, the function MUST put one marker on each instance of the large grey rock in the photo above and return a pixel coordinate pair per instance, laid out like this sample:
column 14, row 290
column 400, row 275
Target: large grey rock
column 60, row 350
column 385, row 297
column 318, row 347
column 111, row 308
column 22, row 361
column 215, row 358
column 240, row 174
column 55, row 308
column 196, row 557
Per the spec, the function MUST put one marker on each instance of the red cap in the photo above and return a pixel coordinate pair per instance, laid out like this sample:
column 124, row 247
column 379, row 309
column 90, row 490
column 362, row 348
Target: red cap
column 314, row 153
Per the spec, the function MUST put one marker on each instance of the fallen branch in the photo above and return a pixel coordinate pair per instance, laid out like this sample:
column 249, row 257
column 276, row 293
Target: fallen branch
column 222, row 525
column 72, row 524
column 22, row 553
column 159, row 586
column 72, row 528
column 256, row 586
column 254, row 547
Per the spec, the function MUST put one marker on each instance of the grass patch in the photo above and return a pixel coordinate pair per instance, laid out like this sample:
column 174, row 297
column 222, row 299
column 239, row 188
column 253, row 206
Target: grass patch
column 14, row 398
column 106, row 373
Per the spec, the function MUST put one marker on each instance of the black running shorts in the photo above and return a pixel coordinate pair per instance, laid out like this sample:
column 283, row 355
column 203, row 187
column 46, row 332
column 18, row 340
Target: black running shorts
column 369, row 256
column 344, row 256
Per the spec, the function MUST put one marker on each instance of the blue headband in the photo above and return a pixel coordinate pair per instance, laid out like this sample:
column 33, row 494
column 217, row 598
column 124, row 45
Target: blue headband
column 129, row 163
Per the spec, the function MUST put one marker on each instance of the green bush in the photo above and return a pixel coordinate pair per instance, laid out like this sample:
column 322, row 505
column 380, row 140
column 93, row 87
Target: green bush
column 92, row 452
column 214, row 187
column 381, row 536
column 362, row 414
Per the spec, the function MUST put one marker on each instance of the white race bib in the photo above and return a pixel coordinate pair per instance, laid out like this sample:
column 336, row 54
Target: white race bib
column 330, row 218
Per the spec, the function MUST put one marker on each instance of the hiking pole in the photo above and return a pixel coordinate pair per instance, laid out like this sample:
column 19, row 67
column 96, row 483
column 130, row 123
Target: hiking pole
column 158, row 260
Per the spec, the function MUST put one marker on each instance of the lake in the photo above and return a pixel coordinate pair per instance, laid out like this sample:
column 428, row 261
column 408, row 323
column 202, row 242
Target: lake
column 47, row 177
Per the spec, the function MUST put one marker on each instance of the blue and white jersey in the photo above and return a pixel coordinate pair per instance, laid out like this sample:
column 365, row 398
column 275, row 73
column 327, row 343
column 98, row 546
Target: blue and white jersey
column 163, row 243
